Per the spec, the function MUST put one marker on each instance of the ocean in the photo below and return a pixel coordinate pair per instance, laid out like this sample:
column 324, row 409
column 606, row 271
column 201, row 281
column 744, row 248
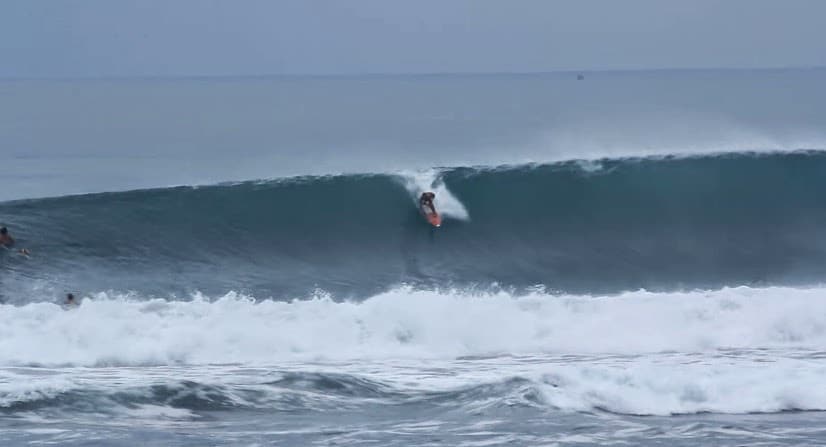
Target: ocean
column 635, row 258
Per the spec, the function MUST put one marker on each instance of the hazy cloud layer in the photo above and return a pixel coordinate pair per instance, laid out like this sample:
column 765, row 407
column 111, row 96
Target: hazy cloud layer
column 44, row 38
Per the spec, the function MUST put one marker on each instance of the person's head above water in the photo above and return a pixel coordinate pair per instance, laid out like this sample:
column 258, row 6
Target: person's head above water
column 5, row 237
column 70, row 300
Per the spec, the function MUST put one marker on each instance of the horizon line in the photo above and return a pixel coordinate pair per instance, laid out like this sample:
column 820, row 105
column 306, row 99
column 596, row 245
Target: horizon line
column 401, row 74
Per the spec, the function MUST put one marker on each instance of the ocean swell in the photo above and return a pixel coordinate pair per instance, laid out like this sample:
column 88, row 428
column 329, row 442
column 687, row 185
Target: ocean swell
column 574, row 227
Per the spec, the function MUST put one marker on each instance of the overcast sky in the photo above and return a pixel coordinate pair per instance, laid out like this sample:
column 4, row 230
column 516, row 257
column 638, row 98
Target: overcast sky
column 67, row 38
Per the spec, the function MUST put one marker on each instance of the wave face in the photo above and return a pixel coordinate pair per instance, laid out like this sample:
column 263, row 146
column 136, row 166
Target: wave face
column 573, row 227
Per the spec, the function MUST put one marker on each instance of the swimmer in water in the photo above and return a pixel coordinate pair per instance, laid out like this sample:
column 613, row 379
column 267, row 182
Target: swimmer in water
column 6, row 241
column 70, row 300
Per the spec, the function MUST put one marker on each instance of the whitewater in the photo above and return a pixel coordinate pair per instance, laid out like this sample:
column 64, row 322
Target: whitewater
column 636, row 258
column 405, row 323
column 551, row 360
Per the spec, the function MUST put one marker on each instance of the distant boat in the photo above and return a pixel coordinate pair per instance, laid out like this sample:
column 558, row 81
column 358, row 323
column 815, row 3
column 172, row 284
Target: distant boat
column 580, row 77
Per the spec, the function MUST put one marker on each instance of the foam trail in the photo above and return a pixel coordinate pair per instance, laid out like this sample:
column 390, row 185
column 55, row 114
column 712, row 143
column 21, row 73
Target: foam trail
column 431, row 180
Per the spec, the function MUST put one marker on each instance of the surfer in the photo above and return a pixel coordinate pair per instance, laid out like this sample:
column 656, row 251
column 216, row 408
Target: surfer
column 426, row 201
column 6, row 240
column 429, row 210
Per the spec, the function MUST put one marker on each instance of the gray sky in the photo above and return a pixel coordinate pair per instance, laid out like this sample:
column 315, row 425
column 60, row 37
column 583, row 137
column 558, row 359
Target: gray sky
column 66, row 38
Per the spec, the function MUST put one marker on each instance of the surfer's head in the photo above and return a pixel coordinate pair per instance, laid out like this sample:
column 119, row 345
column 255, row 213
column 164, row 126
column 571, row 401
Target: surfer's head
column 4, row 230
column 70, row 297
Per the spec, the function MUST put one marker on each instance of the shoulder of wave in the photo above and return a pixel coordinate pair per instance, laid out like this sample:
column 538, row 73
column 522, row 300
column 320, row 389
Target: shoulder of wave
column 264, row 182
column 596, row 163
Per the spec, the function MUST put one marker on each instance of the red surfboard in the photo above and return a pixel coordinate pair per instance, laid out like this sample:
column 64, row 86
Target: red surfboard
column 434, row 218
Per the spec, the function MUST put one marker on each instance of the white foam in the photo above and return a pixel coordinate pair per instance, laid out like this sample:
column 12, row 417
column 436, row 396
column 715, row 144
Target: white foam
column 654, row 384
column 154, row 412
column 430, row 180
column 108, row 329
column 14, row 388
column 660, row 389
column 45, row 431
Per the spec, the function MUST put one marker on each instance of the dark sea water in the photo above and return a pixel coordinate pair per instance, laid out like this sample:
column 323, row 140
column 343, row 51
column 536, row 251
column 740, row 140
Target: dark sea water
column 636, row 258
